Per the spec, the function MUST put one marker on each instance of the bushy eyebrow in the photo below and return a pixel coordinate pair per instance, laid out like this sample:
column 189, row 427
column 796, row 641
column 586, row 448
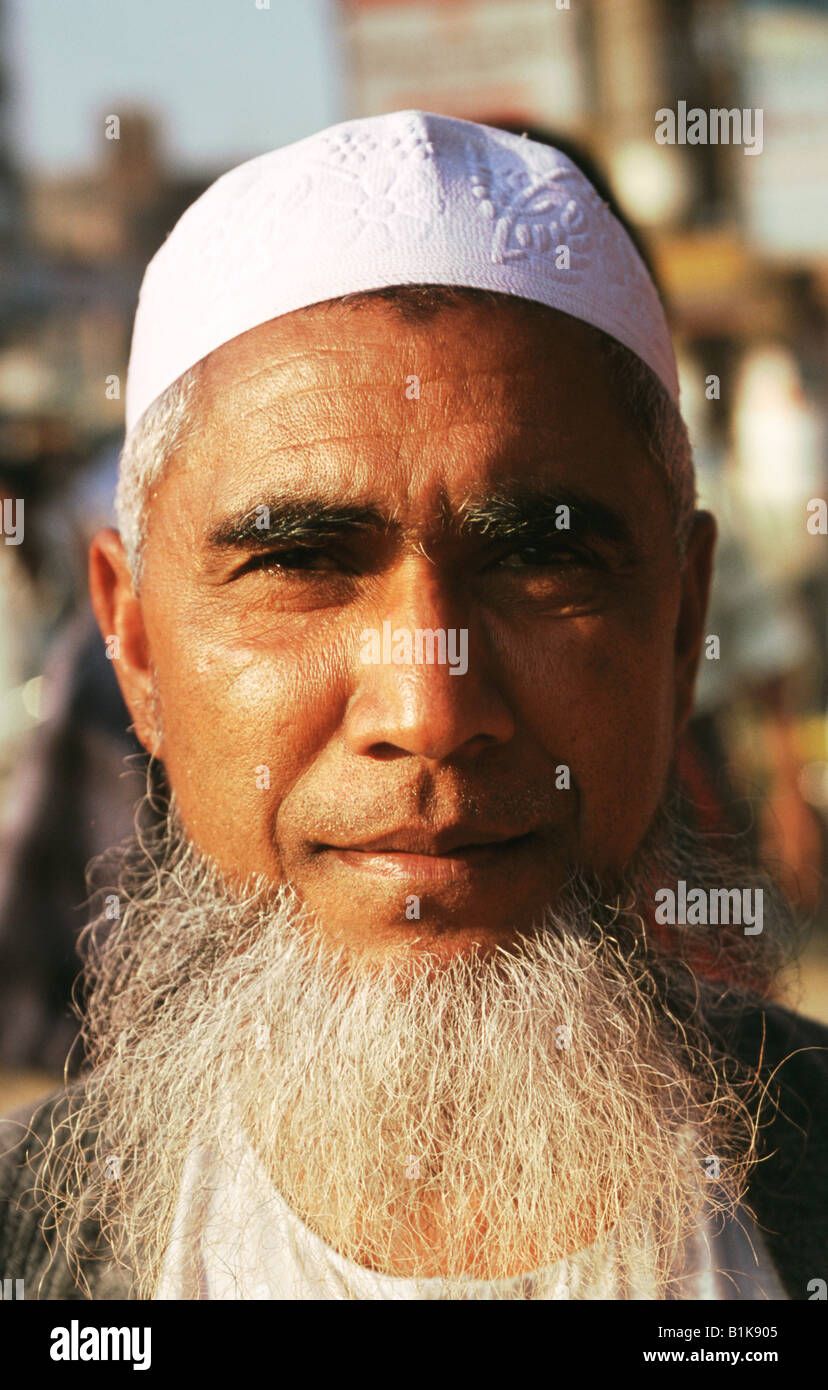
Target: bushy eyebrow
column 304, row 521
column 514, row 514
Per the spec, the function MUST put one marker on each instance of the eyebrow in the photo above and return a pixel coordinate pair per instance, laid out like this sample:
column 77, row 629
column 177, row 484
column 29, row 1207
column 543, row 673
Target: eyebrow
column 520, row 514
column 505, row 515
column 305, row 521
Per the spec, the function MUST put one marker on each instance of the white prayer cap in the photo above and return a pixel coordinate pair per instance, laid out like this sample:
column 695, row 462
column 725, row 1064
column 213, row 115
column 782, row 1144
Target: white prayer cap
column 409, row 197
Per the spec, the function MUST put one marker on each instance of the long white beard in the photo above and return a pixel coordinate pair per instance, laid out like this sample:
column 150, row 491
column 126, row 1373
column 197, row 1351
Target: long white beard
column 478, row 1118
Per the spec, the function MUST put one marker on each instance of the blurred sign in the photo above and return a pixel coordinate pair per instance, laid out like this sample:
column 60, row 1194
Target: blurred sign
column 469, row 58
column 786, row 73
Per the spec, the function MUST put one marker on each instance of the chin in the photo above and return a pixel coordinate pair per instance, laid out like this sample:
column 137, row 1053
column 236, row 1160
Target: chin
column 427, row 939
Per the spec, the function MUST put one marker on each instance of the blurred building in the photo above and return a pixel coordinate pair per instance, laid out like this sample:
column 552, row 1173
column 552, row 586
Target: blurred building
column 82, row 245
column 73, row 250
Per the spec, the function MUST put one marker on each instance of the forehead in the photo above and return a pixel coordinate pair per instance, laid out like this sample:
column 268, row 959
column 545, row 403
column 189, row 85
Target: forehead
column 339, row 347
column 358, row 401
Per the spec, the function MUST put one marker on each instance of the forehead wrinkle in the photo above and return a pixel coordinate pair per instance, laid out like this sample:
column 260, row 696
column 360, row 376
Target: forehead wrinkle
column 558, row 438
column 328, row 389
column 285, row 361
column 281, row 400
column 282, row 364
column 513, row 420
column 313, row 353
column 320, row 442
column 469, row 373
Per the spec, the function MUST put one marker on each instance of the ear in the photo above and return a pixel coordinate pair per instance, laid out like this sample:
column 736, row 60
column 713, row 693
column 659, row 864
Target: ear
column 120, row 619
column 695, row 593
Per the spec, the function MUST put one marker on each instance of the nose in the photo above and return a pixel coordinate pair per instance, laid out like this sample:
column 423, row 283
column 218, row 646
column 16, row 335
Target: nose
column 412, row 694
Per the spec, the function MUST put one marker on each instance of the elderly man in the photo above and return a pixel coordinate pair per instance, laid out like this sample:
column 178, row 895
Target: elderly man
column 423, row 990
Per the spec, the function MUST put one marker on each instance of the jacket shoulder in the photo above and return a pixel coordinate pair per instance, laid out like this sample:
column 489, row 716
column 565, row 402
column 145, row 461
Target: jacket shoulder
column 28, row 1250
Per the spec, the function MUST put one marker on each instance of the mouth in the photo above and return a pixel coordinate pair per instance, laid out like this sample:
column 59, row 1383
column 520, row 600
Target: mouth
column 447, row 865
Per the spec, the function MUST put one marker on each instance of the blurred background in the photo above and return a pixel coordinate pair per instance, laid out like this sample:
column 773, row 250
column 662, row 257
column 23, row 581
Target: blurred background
column 115, row 116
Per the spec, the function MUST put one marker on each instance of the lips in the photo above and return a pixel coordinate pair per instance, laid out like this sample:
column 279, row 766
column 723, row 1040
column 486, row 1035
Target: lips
column 452, row 840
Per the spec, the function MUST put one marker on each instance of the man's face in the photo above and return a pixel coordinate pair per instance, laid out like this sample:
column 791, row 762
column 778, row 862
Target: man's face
column 406, row 803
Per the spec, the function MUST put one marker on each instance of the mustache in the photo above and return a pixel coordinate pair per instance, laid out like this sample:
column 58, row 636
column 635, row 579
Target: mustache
column 432, row 808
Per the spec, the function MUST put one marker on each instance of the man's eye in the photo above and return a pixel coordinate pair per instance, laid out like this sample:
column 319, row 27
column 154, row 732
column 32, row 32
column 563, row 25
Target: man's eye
column 545, row 556
column 295, row 558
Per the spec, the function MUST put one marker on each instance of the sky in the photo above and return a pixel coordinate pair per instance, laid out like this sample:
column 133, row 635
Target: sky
column 230, row 80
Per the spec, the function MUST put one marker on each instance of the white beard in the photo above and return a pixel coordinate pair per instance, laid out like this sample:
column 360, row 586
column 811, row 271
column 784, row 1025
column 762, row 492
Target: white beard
column 423, row 1118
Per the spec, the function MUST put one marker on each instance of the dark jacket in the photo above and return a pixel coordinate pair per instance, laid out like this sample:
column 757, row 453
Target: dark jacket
column 788, row 1191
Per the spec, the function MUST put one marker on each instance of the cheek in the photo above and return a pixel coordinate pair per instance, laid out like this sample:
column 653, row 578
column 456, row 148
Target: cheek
column 600, row 697
column 243, row 718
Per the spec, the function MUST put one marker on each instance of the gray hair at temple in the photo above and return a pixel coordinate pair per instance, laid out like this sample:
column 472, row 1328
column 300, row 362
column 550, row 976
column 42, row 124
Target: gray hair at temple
column 165, row 426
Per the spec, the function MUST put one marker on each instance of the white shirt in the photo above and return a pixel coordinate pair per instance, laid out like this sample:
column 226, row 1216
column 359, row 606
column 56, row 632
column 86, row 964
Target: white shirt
column 234, row 1237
